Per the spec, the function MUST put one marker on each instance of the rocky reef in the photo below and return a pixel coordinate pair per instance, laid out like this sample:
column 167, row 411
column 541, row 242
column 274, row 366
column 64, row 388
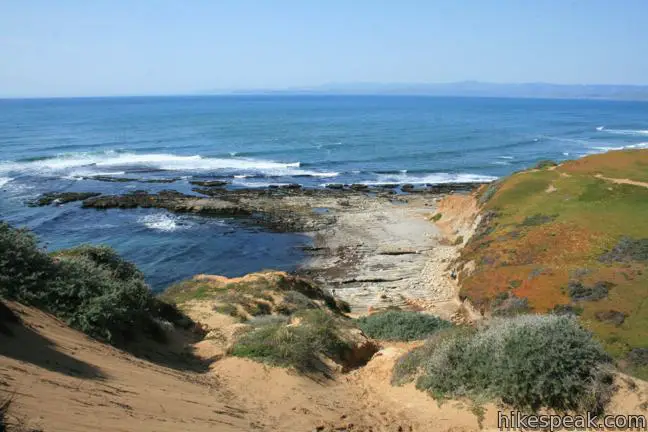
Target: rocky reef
column 282, row 208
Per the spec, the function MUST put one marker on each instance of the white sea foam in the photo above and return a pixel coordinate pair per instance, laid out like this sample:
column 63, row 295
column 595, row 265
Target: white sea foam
column 435, row 178
column 163, row 222
column 631, row 132
column 506, row 157
column 629, row 146
column 4, row 180
column 500, row 163
column 66, row 164
column 258, row 184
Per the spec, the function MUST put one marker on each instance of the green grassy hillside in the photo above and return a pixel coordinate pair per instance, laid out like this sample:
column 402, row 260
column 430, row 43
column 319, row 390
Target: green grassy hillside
column 570, row 238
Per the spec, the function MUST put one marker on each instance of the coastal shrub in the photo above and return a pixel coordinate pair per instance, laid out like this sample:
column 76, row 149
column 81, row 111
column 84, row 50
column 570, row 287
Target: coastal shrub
column 508, row 304
column 638, row 356
column 489, row 192
column 257, row 308
column 106, row 257
column 298, row 346
column 410, row 365
column 545, row 163
column 537, row 219
column 627, row 249
column 527, row 362
column 294, row 301
column 436, row 217
column 611, row 317
column 25, row 269
column 227, row 309
column 400, row 325
column 567, row 309
column 266, row 320
column 90, row 287
column 580, row 292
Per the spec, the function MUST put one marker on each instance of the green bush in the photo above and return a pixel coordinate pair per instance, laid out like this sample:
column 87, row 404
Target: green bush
column 400, row 325
column 546, row 163
column 537, row 219
column 299, row 346
column 627, row 250
column 294, row 301
column 90, row 287
column 580, row 292
column 508, row 304
column 489, row 192
column 24, row 268
column 527, row 362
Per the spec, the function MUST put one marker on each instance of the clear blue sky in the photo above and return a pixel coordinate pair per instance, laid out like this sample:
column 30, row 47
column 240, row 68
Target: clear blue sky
column 111, row 47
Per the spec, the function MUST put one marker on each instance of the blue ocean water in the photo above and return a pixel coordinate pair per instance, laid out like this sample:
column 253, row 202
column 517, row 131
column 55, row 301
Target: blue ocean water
column 254, row 141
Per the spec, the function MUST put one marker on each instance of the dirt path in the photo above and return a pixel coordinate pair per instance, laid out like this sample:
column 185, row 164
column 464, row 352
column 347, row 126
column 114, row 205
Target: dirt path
column 623, row 181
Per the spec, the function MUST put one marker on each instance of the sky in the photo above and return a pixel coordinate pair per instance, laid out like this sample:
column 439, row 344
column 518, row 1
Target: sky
column 139, row 47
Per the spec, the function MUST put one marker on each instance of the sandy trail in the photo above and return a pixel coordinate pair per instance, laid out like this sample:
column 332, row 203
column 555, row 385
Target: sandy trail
column 623, row 181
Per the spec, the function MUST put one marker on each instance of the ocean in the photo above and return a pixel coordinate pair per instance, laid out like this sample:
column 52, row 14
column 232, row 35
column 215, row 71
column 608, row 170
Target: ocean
column 255, row 141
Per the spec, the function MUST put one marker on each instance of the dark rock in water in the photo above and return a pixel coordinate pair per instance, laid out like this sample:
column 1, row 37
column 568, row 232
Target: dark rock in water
column 209, row 183
column 445, row 188
column 359, row 187
column 61, row 198
column 388, row 186
column 407, row 187
column 168, row 199
column 335, row 186
column 291, row 186
column 111, row 179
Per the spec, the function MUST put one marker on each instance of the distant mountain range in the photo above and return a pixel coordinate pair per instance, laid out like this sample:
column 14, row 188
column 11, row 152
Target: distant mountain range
column 467, row 88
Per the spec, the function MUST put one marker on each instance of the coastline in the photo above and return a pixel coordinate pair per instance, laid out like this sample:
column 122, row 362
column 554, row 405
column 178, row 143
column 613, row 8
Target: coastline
column 374, row 247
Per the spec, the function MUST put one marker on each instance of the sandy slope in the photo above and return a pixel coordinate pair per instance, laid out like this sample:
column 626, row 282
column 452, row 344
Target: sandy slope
column 65, row 381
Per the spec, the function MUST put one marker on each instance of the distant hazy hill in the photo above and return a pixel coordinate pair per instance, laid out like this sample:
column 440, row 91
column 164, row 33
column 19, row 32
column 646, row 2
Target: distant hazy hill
column 469, row 88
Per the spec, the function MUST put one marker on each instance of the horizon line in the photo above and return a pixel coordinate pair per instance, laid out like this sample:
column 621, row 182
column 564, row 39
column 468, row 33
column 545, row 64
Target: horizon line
column 330, row 89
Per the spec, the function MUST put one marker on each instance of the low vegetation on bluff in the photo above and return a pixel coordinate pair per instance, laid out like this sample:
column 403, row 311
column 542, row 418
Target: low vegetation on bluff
column 569, row 238
column 275, row 318
column 527, row 362
column 396, row 325
column 90, row 287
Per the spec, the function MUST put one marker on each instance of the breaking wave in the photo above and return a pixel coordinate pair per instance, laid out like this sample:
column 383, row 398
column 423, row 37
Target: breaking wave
column 88, row 163
column 163, row 222
column 435, row 178
column 632, row 132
